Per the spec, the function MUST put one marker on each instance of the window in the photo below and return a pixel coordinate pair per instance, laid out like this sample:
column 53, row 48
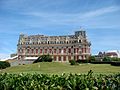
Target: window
column 85, row 50
column 64, row 58
column 59, row 50
column 55, row 58
column 79, row 41
column 82, row 57
column 22, row 50
column 82, row 50
column 69, row 50
column 54, row 50
column 69, row 57
column 45, row 50
column 28, row 50
column 77, row 50
column 50, row 50
column 36, row 50
column 40, row 50
column 74, row 50
column 64, row 50
column 32, row 50
column 59, row 58
column 77, row 57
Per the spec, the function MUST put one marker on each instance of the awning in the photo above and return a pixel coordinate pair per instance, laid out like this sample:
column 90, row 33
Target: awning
column 29, row 58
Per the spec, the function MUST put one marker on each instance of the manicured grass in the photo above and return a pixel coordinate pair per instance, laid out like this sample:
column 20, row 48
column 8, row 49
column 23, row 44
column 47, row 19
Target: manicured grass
column 59, row 68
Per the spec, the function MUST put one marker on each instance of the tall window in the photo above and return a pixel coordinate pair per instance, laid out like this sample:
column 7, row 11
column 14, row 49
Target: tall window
column 64, row 50
column 64, row 58
column 22, row 50
column 55, row 58
column 77, row 50
column 88, row 50
column 59, row 58
column 32, row 50
column 77, row 57
column 54, row 50
column 36, row 50
column 82, row 50
column 74, row 50
column 69, row 50
column 45, row 50
column 19, row 50
column 59, row 50
column 50, row 50
column 28, row 50
column 40, row 50
column 69, row 57
column 85, row 50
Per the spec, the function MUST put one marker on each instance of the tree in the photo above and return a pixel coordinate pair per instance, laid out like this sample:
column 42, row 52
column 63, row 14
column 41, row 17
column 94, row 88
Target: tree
column 106, row 59
column 4, row 64
column 72, row 62
column 43, row 58
column 92, row 58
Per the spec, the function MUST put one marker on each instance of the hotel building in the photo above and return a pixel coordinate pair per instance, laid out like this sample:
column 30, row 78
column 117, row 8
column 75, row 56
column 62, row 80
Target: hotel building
column 61, row 48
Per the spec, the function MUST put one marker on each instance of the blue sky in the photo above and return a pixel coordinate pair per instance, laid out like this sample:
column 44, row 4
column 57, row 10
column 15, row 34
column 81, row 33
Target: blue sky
column 100, row 19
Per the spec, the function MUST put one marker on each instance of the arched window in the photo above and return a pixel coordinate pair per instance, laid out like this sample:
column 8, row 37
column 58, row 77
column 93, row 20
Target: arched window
column 79, row 41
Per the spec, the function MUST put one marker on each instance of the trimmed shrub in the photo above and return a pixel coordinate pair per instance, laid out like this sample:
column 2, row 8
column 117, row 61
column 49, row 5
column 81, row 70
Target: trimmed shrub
column 106, row 59
column 83, row 61
column 4, row 64
column 115, row 59
column 72, row 62
column 35, row 81
column 44, row 58
column 115, row 63
column 92, row 58
column 100, row 62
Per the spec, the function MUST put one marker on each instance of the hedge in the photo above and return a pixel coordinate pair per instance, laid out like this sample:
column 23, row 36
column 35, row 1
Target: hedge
column 4, row 64
column 115, row 63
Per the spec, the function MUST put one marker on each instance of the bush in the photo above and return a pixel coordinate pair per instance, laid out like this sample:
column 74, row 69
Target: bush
column 83, row 61
column 100, row 62
column 115, row 63
column 44, row 58
column 92, row 58
column 37, row 81
column 72, row 62
column 106, row 59
column 4, row 64
column 115, row 59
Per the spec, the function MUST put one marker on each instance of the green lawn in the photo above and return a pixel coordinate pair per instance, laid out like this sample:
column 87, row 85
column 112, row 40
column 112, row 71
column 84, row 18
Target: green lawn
column 59, row 68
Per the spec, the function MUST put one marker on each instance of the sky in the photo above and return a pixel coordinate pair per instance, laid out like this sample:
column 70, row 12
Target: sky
column 99, row 18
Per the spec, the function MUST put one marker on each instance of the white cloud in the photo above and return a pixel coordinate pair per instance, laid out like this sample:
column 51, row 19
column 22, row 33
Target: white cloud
column 69, row 18
column 100, row 11
column 4, row 55
column 88, row 14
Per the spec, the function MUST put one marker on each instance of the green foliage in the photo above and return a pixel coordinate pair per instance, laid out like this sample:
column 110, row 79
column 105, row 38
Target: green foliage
column 115, row 63
column 72, row 62
column 4, row 64
column 92, row 58
column 115, row 59
column 59, row 82
column 111, row 59
column 106, row 59
column 44, row 58
column 83, row 61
